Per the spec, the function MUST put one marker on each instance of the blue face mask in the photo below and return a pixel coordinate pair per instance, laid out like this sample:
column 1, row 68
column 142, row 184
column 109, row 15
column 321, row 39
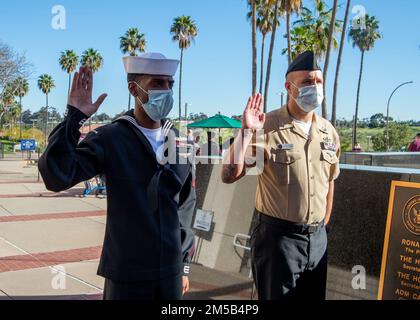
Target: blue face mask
column 159, row 105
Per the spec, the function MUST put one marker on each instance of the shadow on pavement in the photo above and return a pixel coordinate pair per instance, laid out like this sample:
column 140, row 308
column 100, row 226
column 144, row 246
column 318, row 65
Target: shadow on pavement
column 242, row 290
column 58, row 298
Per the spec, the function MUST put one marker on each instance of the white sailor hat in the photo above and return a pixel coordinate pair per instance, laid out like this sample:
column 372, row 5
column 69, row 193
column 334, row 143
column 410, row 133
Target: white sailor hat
column 151, row 63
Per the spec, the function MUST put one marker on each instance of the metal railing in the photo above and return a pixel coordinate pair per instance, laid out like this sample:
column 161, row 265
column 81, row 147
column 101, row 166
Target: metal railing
column 238, row 239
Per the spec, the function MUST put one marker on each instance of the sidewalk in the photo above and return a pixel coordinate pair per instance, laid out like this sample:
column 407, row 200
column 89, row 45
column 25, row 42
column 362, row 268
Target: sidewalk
column 50, row 244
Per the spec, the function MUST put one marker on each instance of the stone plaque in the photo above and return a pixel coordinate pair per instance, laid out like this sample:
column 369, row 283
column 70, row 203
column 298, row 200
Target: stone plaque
column 400, row 272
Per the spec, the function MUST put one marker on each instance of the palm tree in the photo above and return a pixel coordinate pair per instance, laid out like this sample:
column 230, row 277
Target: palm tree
column 132, row 42
column 327, row 56
column 22, row 88
column 183, row 30
column 253, row 5
column 68, row 62
column 46, row 84
column 364, row 37
column 265, row 12
column 275, row 23
column 301, row 40
column 7, row 99
column 337, row 72
column 93, row 59
column 290, row 7
column 311, row 31
column 9, row 94
column 15, row 112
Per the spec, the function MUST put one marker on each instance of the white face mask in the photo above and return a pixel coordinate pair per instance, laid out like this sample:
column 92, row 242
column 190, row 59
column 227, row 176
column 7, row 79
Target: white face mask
column 310, row 97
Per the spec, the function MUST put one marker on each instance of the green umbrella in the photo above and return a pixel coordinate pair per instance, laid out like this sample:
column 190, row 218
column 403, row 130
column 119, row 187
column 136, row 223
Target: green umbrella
column 217, row 122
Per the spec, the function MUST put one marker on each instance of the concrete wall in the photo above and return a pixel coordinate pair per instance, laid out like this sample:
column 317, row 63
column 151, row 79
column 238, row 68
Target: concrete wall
column 383, row 159
column 358, row 224
column 233, row 207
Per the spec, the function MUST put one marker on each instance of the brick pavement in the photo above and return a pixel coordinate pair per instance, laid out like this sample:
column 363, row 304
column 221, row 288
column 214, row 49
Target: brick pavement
column 25, row 275
column 48, row 259
column 52, row 216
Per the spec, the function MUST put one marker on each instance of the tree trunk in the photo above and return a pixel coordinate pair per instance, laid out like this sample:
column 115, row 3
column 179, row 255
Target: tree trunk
column 20, row 124
column 186, row 111
column 289, row 41
column 1, row 119
column 289, row 45
column 270, row 55
column 68, row 93
column 357, row 100
column 254, row 47
column 180, row 85
column 337, row 72
column 262, row 63
column 46, row 120
column 327, row 58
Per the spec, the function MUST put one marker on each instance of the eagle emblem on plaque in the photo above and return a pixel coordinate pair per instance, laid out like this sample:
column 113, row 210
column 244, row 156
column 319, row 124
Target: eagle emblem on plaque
column 411, row 215
column 416, row 215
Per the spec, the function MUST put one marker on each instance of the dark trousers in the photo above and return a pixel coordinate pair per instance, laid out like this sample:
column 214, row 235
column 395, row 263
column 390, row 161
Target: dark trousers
column 289, row 261
column 165, row 289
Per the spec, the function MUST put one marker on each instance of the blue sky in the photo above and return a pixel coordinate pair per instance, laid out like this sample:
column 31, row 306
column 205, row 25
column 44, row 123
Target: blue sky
column 217, row 69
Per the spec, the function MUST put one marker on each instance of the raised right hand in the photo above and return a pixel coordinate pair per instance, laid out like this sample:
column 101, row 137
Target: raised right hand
column 81, row 92
column 254, row 117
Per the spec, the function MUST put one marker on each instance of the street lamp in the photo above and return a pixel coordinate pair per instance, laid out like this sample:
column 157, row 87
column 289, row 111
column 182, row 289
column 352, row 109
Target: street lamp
column 369, row 140
column 387, row 111
column 186, row 111
column 282, row 94
column 33, row 123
